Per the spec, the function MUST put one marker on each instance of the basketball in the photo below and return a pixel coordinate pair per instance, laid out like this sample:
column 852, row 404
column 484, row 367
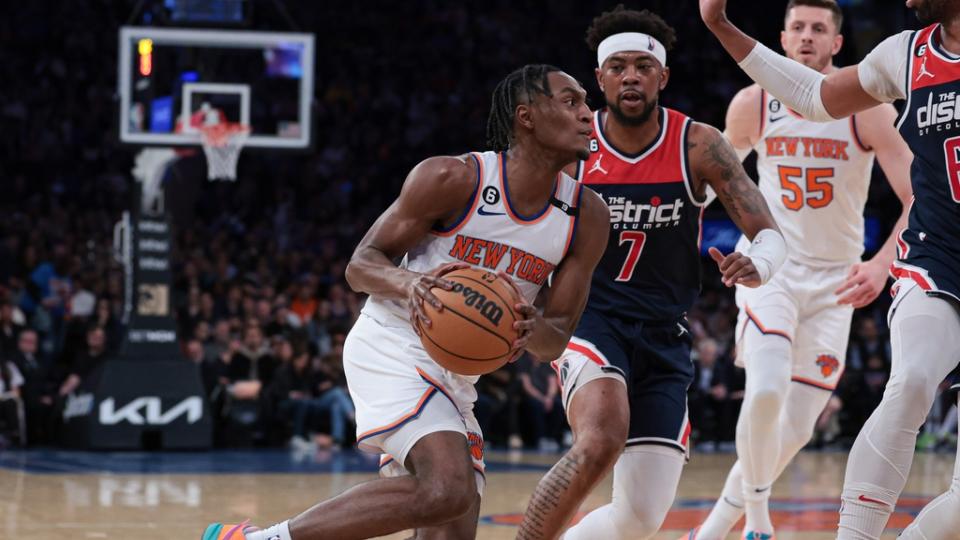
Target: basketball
column 473, row 333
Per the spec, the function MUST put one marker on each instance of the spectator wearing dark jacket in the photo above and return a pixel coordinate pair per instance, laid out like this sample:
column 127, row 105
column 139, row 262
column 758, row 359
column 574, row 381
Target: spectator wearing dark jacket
column 715, row 394
column 292, row 391
column 542, row 402
column 88, row 361
column 39, row 389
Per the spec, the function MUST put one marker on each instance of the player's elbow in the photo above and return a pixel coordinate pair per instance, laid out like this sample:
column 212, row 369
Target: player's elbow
column 352, row 274
column 551, row 350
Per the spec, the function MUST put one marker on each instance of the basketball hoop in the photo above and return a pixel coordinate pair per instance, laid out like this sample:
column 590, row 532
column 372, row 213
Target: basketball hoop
column 222, row 143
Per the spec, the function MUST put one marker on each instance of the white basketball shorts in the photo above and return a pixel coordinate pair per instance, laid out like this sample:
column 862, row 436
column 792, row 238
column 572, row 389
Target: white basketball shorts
column 799, row 305
column 401, row 395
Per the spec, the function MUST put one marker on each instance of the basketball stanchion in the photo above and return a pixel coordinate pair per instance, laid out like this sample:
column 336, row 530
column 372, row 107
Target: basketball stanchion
column 146, row 396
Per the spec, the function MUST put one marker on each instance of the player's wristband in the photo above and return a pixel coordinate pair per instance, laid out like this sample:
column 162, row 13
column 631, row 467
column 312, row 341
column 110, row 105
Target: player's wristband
column 767, row 251
column 793, row 83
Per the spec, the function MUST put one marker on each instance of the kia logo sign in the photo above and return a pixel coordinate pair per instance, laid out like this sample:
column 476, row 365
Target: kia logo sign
column 149, row 411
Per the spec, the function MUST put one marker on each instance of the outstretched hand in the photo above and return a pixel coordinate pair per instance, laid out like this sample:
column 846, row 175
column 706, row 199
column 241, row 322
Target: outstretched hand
column 737, row 268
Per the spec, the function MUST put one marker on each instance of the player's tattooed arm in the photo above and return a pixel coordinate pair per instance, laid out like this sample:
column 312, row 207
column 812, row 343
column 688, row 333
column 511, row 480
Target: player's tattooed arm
column 714, row 162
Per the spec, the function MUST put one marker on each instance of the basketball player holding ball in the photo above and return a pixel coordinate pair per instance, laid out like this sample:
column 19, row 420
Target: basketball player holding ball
column 626, row 371
column 512, row 211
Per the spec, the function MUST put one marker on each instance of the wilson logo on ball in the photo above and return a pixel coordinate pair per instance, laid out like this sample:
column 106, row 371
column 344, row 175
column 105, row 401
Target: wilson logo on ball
column 490, row 310
column 473, row 333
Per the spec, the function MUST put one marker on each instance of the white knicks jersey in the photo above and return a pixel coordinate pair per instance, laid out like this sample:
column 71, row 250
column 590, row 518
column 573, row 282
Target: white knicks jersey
column 815, row 178
column 490, row 234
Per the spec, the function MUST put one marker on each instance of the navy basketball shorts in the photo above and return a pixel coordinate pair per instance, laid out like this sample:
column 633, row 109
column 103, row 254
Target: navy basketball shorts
column 652, row 358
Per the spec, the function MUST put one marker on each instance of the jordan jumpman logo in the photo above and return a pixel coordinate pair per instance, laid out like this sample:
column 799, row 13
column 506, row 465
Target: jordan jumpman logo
column 923, row 70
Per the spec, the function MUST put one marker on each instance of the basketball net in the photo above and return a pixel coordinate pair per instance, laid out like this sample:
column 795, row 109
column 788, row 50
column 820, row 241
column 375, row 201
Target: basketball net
column 222, row 143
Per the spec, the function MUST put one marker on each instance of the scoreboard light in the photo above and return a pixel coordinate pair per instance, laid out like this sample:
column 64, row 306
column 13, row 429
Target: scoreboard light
column 145, row 48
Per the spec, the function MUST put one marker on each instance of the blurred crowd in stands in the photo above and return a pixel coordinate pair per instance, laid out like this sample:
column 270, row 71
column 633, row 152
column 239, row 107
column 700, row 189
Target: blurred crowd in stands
column 261, row 304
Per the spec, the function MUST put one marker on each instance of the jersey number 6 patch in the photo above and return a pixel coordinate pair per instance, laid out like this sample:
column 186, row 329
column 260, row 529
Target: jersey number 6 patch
column 951, row 149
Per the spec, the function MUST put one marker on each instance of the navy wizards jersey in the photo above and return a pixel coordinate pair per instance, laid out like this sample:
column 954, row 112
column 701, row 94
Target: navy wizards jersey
column 651, row 267
column 929, row 248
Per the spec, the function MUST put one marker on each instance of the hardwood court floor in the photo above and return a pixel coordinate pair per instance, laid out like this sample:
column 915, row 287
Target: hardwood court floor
column 61, row 495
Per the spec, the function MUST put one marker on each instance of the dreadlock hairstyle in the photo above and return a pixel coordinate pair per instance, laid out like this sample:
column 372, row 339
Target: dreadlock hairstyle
column 621, row 19
column 518, row 87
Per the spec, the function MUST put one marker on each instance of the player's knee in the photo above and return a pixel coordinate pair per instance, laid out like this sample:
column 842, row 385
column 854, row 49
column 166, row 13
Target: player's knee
column 767, row 398
column 598, row 450
column 444, row 502
column 914, row 384
column 446, row 496
column 637, row 518
column 909, row 396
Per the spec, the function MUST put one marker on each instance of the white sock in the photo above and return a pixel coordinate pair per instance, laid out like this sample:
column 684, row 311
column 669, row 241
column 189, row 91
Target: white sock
column 861, row 521
column 756, row 501
column 803, row 407
column 759, row 431
column 727, row 510
column 645, row 482
column 280, row 531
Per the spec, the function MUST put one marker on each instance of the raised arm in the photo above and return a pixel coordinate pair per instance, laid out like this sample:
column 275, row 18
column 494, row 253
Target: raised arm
column 550, row 331
column 434, row 191
column 816, row 96
column 743, row 120
column 714, row 162
column 866, row 280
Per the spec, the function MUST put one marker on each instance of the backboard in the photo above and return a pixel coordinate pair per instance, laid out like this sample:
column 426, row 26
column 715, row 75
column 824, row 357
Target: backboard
column 173, row 80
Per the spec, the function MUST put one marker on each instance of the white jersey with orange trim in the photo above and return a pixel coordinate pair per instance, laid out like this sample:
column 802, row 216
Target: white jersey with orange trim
column 815, row 178
column 491, row 234
column 400, row 394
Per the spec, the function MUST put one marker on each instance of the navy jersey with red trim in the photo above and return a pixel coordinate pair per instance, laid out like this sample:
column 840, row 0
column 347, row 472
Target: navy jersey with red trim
column 651, row 267
column 930, row 124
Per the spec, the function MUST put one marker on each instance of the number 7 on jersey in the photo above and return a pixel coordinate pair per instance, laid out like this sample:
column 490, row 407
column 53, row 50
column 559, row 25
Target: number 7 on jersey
column 636, row 239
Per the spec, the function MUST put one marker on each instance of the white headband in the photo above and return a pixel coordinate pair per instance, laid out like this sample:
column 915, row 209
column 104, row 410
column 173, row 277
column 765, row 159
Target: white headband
column 631, row 41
